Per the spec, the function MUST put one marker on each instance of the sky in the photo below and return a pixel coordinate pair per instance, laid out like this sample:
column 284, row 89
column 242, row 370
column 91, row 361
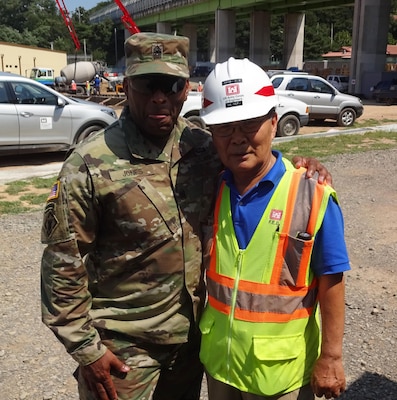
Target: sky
column 71, row 5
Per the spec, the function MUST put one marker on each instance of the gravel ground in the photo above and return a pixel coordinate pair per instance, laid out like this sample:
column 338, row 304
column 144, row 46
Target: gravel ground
column 34, row 366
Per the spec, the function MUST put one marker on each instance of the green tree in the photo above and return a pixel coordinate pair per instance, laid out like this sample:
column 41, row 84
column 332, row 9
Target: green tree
column 276, row 38
column 8, row 34
column 317, row 39
column 342, row 38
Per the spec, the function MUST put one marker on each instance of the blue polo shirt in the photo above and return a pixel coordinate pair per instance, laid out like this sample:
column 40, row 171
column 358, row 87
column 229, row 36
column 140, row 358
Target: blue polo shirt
column 329, row 251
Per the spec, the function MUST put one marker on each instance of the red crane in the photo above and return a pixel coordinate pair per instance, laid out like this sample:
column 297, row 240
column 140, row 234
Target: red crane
column 126, row 19
column 68, row 22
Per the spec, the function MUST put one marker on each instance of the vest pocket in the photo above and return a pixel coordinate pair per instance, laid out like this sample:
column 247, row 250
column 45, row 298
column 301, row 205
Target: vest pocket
column 211, row 343
column 277, row 348
column 276, row 363
column 297, row 261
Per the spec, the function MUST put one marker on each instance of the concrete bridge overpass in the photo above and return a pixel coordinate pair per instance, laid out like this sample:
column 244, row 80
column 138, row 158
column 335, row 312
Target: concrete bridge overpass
column 370, row 29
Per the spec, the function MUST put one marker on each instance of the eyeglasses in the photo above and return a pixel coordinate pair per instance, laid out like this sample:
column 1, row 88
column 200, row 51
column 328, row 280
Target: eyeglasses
column 169, row 85
column 248, row 127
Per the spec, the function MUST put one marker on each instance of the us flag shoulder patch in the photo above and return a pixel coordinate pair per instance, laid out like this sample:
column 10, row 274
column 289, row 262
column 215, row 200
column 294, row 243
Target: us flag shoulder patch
column 54, row 191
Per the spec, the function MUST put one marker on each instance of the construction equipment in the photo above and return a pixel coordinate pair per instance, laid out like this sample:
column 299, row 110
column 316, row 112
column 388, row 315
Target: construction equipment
column 126, row 18
column 68, row 22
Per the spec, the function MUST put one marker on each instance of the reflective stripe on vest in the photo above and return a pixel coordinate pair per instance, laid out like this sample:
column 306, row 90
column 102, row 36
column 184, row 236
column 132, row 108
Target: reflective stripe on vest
column 289, row 290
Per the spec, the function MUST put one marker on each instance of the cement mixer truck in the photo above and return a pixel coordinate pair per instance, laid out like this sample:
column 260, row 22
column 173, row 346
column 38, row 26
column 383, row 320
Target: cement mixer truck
column 80, row 72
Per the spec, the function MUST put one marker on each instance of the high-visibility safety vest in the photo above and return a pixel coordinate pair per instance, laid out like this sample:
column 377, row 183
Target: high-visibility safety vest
column 260, row 329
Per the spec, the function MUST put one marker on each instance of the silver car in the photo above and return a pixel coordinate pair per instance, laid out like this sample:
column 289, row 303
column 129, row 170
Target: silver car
column 324, row 101
column 35, row 118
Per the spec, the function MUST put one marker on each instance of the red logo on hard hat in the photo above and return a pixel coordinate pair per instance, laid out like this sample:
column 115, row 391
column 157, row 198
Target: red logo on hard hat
column 206, row 102
column 232, row 90
column 266, row 91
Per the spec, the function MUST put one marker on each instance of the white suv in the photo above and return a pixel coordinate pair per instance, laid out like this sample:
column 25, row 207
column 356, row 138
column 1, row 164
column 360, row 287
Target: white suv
column 34, row 118
column 341, row 82
column 292, row 114
column 324, row 101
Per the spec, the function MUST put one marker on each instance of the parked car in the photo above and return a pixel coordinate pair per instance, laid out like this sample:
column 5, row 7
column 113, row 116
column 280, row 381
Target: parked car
column 191, row 108
column 341, row 82
column 385, row 91
column 292, row 114
column 324, row 100
column 34, row 118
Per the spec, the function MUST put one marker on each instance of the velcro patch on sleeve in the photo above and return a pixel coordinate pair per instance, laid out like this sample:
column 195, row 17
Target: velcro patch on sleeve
column 54, row 194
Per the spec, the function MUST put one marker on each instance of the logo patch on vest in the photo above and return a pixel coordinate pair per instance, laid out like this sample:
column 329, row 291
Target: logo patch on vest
column 275, row 215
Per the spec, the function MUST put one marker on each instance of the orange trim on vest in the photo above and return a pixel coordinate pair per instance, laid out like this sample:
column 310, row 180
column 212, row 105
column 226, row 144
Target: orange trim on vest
column 251, row 316
column 282, row 247
column 274, row 287
column 218, row 305
column 260, row 288
column 316, row 204
column 311, row 226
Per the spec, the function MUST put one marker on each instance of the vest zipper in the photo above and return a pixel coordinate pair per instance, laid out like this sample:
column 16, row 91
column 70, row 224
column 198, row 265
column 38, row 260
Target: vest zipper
column 239, row 263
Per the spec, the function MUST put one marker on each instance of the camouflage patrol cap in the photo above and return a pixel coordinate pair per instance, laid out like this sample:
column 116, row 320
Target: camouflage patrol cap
column 156, row 53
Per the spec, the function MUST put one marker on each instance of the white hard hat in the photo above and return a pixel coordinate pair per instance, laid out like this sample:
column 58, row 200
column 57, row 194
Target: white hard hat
column 236, row 90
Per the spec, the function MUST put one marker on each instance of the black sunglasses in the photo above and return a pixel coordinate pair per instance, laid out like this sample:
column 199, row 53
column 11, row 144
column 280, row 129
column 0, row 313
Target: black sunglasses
column 148, row 84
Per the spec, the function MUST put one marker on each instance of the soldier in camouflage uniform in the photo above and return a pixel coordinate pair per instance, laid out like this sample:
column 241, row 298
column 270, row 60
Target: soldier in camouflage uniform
column 122, row 286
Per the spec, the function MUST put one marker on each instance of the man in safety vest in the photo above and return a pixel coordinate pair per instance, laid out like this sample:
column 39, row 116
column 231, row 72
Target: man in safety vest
column 73, row 87
column 277, row 256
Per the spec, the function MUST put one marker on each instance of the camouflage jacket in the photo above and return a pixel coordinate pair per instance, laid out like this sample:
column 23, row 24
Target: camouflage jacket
column 123, row 229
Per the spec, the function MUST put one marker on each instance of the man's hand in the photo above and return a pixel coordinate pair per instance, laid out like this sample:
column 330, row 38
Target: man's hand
column 97, row 375
column 328, row 378
column 313, row 166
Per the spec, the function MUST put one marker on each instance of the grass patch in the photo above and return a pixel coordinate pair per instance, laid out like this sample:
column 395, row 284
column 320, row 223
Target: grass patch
column 34, row 199
column 339, row 144
column 30, row 195
column 13, row 207
column 16, row 187
column 42, row 183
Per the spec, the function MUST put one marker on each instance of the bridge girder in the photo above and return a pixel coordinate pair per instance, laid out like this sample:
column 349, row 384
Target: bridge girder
column 147, row 13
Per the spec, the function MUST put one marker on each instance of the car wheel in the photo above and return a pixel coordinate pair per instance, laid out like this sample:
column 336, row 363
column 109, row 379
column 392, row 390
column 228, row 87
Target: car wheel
column 347, row 117
column 288, row 126
column 196, row 120
column 88, row 132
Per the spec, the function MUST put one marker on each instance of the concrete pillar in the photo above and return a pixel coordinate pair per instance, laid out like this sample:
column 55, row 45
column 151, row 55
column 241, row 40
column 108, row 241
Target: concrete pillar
column 371, row 25
column 225, row 34
column 211, row 41
column 260, row 38
column 294, row 30
column 190, row 31
column 163, row 27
